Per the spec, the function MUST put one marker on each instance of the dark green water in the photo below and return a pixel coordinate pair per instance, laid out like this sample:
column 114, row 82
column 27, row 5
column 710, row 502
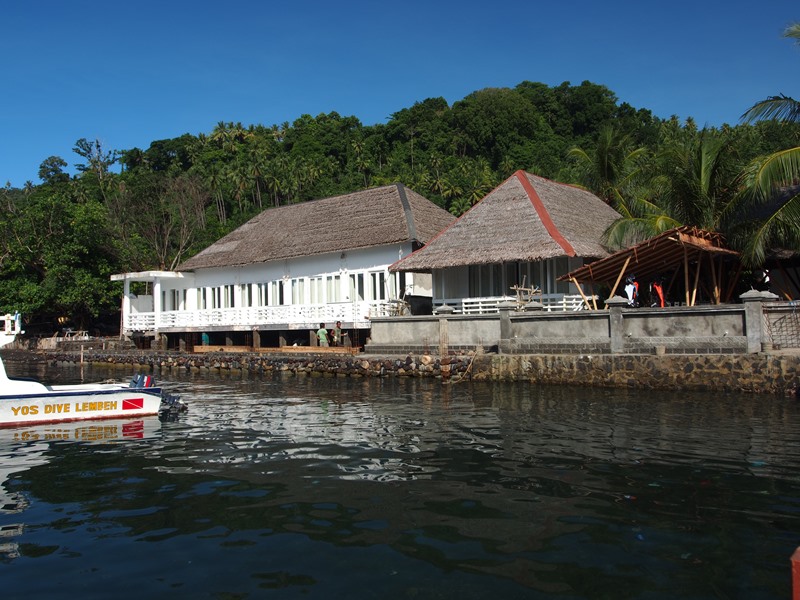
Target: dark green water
column 340, row 488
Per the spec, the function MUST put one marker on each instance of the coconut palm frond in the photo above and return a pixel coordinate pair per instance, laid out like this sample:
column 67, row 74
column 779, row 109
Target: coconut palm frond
column 793, row 31
column 637, row 207
column 778, row 170
column 781, row 108
column 626, row 232
column 780, row 230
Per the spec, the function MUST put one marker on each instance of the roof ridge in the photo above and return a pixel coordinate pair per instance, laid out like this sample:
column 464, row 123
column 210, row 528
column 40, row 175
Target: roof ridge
column 412, row 227
column 544, row 215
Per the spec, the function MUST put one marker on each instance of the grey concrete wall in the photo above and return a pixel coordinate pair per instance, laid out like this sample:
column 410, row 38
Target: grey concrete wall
column 588, row 324
column 683, row 321
column 726, row 329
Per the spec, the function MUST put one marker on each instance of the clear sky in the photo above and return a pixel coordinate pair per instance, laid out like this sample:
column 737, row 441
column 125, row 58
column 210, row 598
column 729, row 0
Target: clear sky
column 129, row 73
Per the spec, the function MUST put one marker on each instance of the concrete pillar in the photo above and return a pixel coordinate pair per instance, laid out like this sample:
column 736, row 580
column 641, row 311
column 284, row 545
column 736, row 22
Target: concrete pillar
column 505, row 309
column 444, row 336
column 753, row 301
column 616, row 323
column 256, row 338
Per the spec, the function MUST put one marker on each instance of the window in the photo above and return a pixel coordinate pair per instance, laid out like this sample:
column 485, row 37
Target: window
column 202, row 298
column 298, row 291
column 216, row 297
column 228, row 296
column 317, row 290
column 261, row 294
column 380, row 289
column 276, row 293
column 176, row 300
column 357, row 287
column 333, row 287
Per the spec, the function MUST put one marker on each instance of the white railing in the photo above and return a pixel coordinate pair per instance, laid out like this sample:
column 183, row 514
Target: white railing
column 356, row 315
column 488, row 305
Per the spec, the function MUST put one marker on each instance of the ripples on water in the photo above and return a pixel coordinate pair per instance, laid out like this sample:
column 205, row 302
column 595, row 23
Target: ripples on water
column 347, row 488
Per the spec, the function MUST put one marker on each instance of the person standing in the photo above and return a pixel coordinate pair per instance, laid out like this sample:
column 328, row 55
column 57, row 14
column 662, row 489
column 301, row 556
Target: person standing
column 632, row 290
column 658, row 289
column 337, row 335
column 322, row 335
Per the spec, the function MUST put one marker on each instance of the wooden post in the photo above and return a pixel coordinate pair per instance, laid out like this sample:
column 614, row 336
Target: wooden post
column 686, row 273
column 717, row 284
column 580, row 291
column 696, row 279
column 619, row 277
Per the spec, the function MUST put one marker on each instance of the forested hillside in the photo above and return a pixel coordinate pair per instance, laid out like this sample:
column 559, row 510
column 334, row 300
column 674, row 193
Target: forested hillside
column 136, row 209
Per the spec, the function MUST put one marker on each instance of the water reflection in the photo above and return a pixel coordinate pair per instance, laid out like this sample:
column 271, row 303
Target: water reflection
column 405, row 488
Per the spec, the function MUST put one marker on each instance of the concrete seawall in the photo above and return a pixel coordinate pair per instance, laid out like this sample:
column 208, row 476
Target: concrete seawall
column 761, row 373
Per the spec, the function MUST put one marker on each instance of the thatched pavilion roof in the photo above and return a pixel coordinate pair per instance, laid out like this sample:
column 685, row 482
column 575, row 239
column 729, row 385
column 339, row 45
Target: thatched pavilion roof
column 374, row 217
column 526, row 218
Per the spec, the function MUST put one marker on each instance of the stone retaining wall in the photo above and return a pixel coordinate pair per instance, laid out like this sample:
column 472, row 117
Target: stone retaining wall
column 762, row 373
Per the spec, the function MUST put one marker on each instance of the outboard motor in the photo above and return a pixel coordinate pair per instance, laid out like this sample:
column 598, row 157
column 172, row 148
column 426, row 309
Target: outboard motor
column 171, row 407
column 140, row 380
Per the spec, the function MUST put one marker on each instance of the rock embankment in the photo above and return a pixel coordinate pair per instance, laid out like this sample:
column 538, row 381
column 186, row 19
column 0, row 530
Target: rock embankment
column 761, row 373
column 343, row 365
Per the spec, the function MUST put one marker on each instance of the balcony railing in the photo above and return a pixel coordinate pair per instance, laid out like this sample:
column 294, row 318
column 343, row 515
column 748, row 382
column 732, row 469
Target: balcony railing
column 356, row 315
column 488, row 305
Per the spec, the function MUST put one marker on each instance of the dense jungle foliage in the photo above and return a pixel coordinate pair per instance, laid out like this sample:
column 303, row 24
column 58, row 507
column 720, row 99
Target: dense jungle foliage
column 140, row 209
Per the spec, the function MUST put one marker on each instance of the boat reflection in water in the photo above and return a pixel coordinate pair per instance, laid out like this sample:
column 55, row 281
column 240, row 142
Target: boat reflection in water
column 23, row 448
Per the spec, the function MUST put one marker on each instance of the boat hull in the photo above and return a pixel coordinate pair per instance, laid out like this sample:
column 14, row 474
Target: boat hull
column 78, row 405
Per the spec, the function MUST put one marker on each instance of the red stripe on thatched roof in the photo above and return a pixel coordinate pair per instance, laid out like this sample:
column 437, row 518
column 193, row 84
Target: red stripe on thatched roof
column 544, row 216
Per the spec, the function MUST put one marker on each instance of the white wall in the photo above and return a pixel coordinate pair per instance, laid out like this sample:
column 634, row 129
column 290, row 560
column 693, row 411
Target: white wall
column 330, row 273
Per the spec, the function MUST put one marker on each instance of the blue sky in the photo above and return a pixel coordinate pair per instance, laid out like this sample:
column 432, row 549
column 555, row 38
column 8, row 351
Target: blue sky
column 129, row 73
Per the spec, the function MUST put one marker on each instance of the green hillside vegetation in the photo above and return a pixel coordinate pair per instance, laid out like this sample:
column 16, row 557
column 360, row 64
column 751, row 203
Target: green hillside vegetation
column 140, row 209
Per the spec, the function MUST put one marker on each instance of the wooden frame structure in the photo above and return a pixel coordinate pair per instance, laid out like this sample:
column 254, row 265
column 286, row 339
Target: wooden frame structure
column 683, row 250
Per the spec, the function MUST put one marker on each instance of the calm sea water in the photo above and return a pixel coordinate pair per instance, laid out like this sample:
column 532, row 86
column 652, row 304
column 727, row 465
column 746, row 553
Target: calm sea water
column 341, row 488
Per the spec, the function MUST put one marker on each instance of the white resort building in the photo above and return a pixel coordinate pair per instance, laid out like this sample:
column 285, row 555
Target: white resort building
column 272, row 281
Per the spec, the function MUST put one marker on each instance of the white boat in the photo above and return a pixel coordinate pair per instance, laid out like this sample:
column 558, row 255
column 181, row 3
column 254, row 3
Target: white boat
column 10, row 328
column 26, row 401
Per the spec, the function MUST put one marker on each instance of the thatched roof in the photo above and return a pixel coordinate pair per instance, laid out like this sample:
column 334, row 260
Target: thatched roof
column 375, row 217
column 526, row 218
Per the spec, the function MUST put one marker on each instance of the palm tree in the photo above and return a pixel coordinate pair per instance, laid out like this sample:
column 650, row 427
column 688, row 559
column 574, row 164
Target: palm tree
column 611, row 167
column 693, row 180
column 703, row 178
column 622, row 175
column 772, row 184
column 216, row 178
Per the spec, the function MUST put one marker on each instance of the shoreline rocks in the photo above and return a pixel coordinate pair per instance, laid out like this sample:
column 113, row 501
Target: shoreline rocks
column 762, row 373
